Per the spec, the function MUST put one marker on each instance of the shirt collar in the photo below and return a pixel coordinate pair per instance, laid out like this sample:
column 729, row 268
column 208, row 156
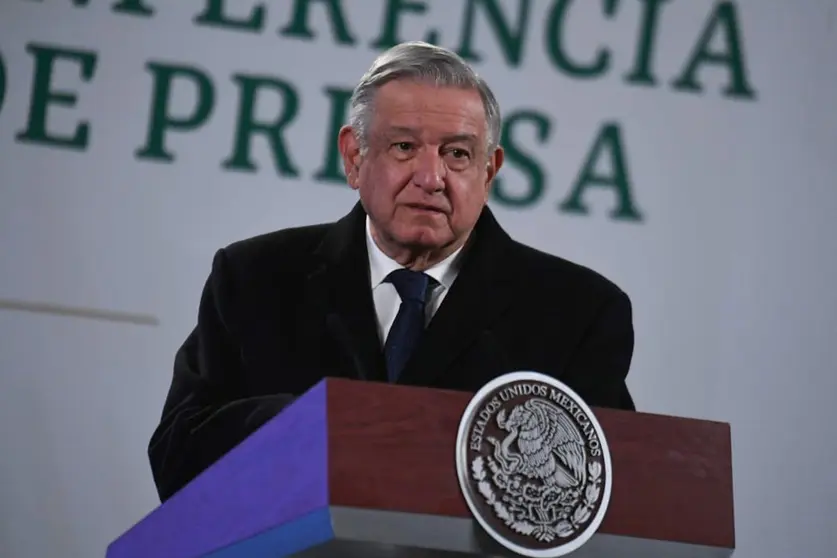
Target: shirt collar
column 381, row 265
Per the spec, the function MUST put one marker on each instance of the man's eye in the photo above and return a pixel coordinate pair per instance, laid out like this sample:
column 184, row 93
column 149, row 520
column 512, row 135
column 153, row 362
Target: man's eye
column 404, row 146
column 459, row 153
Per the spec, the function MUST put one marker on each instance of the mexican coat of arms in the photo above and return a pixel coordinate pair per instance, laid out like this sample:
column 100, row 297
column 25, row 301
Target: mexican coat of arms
column 533, row 465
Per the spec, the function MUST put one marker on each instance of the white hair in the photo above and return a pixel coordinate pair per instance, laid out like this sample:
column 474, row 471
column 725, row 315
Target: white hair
column 423, row 62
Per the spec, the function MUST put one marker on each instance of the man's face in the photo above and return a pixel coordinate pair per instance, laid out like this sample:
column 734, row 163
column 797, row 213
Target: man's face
column 426, row 175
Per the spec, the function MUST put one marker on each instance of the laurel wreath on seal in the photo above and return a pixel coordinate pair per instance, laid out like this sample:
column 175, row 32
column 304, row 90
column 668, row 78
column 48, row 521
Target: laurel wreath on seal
column 522, row 522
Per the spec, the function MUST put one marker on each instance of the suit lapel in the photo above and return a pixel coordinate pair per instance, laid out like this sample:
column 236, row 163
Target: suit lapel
column 481, row 293
column 344, row 298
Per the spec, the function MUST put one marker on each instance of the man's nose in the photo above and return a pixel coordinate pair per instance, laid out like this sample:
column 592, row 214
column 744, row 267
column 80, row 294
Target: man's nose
column 429, row 171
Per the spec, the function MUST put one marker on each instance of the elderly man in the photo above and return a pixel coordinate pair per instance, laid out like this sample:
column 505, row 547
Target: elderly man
column 418, row 284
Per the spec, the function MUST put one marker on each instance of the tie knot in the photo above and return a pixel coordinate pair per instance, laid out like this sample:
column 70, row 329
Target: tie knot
column 411, row 285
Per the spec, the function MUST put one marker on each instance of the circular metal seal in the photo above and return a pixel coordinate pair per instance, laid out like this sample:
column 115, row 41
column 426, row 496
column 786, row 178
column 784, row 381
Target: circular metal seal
column 533, row 465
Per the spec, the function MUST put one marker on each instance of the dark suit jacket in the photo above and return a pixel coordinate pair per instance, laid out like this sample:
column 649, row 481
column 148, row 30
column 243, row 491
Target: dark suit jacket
column 282, row 310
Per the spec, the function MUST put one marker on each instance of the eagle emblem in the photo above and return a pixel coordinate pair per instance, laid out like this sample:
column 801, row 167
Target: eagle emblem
column 533, row 465
column 549, row 446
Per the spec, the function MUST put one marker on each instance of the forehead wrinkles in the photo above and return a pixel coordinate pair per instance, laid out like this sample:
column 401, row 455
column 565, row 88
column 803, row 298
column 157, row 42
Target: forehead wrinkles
column 427, row 129
column 446, row 134
column 420, row 109
column 434, row 117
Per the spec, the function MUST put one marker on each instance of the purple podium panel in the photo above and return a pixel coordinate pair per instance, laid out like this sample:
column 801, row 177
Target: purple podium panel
column 273, row 477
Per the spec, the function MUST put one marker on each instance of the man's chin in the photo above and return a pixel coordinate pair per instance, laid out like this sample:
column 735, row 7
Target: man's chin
column 425, row 238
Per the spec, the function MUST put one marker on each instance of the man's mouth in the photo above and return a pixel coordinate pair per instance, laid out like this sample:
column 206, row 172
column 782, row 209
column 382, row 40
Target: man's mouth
column 426, row 207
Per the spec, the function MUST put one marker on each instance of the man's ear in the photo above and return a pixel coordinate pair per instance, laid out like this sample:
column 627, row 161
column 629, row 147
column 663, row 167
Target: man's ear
column 495, row 161
column 349, row 148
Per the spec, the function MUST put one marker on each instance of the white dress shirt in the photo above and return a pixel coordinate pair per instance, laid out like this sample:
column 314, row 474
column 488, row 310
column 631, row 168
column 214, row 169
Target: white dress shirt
column 386, row 297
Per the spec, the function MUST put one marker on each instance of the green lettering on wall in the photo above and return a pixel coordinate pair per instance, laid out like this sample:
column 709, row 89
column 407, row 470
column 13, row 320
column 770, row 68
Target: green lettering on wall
column 299, row 28
column 517, row 157
column 608, row 144
column 555, row 47
column 133, row 7
column 723, row 20
column 642, row 72
column 390, row 36
column 215, row 15
column 43, row 95
column 247, row 126
column 332, row 170
column 161, row 119
column 511, row 38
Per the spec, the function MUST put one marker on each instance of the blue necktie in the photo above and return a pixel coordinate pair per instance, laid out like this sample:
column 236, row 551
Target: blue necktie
column 408, row 326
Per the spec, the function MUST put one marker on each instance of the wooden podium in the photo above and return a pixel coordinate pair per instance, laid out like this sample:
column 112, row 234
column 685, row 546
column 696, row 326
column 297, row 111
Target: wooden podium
column 360, row 469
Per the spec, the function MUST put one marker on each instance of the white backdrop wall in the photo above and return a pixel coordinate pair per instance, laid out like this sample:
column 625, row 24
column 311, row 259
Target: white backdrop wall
column 696, row 169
